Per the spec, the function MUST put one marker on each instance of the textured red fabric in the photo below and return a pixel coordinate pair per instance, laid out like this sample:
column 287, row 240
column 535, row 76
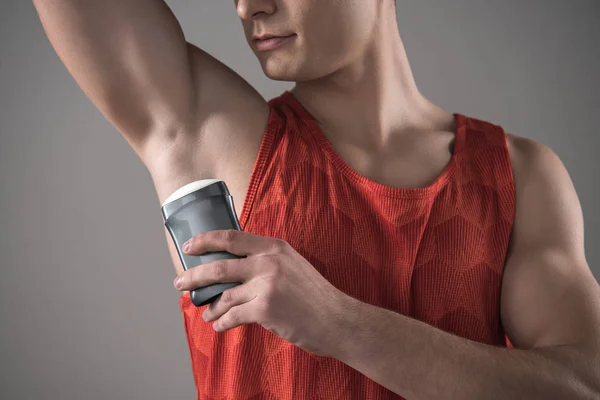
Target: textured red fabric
column 435, row 254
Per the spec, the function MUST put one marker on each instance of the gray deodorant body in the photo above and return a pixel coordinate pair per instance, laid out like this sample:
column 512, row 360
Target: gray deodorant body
column 195, row 208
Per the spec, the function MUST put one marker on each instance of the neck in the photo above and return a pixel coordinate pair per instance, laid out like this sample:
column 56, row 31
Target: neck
column 374, row 98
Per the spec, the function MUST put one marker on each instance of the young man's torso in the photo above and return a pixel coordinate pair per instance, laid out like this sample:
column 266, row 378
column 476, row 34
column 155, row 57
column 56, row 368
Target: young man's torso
column 415, row 160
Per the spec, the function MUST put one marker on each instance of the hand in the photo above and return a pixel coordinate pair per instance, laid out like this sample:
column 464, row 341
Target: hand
column 280, row 289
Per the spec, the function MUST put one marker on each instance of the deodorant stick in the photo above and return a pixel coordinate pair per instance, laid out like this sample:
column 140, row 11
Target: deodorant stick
column 195, row 208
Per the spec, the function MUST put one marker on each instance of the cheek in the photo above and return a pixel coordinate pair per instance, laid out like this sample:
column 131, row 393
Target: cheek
column 337, row 32
column 333, row 47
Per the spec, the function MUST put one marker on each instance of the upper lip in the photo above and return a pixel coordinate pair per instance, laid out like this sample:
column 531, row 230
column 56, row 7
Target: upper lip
column 268, row 36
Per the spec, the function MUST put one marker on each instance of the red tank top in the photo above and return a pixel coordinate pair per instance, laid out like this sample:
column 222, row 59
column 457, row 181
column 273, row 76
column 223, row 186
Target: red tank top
column 435, row 254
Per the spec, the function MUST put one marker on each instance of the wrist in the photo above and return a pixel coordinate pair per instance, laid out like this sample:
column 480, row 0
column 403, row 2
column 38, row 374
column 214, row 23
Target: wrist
column 348, row 327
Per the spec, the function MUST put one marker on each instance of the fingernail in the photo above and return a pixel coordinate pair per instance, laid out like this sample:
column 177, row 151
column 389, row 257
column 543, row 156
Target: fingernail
column 186, row 246
column 177, row 282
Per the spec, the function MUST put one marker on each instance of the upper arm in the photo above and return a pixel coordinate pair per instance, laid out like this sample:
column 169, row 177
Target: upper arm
column 549, row 295
column 132, row 60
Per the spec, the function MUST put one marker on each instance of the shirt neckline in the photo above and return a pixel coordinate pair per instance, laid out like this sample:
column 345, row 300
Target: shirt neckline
column 317, row 134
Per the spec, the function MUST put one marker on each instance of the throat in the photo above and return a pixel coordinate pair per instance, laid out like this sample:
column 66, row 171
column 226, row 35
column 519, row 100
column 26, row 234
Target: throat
column 415, row 162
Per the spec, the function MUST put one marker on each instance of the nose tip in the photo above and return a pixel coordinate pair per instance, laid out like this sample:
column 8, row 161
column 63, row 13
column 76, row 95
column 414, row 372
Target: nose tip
column 243, row 10
column 249, row 9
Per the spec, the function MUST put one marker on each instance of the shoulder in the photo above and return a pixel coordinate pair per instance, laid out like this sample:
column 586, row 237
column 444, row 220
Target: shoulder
column 535, row 163
column 530, row 154
column 547, row 206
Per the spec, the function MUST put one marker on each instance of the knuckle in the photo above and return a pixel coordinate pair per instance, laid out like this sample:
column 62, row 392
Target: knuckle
column 219, row 270
column 275, row 265
column 229, row 235
column 192, row 276
column 233, row 317
column 280, row 245
column 269, row 290
column 270, row 286
column 227, row 296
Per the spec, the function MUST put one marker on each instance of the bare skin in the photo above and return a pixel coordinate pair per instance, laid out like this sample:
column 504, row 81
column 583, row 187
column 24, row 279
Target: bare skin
column 186, row 115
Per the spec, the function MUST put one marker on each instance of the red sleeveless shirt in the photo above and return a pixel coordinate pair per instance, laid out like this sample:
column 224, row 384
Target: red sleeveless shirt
column 435, row 254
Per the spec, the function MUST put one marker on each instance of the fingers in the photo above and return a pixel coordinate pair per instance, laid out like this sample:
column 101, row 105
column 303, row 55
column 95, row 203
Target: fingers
column 233, row 241
column 220, row 271
column 229, row 299
column 236, row 316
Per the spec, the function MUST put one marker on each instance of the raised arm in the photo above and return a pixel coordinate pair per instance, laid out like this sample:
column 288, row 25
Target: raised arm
column 131, row 59
column 185, row 114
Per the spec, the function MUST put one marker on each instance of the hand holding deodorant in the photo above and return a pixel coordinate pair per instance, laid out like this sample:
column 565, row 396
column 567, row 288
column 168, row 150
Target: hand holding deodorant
column 195, row 208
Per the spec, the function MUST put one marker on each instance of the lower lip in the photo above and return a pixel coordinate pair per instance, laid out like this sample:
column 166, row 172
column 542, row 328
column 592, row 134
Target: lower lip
column 273, row 43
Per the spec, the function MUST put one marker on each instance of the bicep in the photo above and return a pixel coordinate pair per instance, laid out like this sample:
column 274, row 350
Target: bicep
column 129, row 57
column 549, row 298
column 132, row 60
column 549, row 295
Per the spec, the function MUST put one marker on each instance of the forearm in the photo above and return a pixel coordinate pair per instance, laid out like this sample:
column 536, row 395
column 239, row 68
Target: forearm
column 418, row 361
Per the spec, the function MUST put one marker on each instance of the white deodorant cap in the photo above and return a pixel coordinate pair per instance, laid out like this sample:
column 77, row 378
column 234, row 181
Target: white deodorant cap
column 189, row 188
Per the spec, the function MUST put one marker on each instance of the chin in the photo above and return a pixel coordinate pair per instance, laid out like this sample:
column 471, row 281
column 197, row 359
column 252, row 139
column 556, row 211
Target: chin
column 287, row 71
column 278, row 71
column 279, row 76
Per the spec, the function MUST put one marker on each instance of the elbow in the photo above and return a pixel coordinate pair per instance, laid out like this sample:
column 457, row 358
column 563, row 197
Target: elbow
column 586, row 390
column 574, row 376
column 585, row 385
column 595, row 387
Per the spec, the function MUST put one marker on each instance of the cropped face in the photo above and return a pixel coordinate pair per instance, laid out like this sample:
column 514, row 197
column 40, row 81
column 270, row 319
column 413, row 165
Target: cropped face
column 312, row 38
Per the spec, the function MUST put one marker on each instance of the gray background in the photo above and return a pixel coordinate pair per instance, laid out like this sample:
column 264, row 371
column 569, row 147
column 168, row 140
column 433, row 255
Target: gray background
column 87, row 306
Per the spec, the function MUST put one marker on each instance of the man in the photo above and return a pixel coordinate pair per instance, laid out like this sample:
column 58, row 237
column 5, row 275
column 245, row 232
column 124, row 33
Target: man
column 392, row 247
